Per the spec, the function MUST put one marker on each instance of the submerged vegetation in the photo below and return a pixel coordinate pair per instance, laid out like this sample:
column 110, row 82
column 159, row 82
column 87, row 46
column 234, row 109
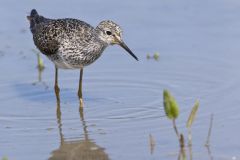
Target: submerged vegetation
column 155, row 56
column 207, row 144
column 40, row 64
column 4, row 158
column 172, row 112
column 171, row 109
column 191, row 118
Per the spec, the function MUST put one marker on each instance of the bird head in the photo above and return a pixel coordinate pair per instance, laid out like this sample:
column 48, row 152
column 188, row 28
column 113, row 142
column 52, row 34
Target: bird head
column 111, row 33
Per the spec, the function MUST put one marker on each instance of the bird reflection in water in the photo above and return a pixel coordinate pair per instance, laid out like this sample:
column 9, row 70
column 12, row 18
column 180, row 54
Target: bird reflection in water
column 76, row 149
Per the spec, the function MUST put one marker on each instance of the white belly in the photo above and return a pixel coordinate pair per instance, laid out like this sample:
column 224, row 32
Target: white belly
column 60, row 62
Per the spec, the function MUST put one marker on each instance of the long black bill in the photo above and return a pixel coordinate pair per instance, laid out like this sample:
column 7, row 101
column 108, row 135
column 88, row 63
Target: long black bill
column 123, row 45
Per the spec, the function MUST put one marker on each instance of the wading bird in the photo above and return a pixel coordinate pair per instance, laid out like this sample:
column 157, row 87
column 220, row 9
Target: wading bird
column 72, row 43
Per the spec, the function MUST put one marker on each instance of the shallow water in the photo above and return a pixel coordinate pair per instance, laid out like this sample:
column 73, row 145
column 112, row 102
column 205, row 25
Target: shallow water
column 199, row 59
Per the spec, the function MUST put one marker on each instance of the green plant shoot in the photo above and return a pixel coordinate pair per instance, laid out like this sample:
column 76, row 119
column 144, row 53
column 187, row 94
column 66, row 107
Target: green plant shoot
column 193, row 114
column 40, row 62
column 4, row 158
column 156, row 56
column 148, row 56
column 170, row 105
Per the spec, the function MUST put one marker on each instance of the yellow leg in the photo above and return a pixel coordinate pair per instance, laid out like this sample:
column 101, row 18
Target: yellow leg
column 57, row 90
column 80, row 88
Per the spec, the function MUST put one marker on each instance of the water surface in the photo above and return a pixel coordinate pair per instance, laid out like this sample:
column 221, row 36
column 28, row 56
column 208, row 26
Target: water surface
column 198, row 46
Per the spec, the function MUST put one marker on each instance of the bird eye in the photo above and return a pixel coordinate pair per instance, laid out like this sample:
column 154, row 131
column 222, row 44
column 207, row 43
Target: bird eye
column 109, row 33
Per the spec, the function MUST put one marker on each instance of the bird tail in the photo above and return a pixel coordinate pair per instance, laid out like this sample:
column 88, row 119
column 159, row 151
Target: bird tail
column 34, row 19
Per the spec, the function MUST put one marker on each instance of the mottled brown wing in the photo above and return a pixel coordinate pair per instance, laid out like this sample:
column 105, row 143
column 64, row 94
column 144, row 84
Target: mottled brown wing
column 46, row 38
column 52, row 33
column 49, row 48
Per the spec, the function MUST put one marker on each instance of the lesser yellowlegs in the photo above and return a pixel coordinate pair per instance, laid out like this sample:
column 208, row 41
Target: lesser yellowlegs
column 73, row 44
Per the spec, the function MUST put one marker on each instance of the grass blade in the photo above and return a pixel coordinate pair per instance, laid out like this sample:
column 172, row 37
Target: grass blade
column 193, row 114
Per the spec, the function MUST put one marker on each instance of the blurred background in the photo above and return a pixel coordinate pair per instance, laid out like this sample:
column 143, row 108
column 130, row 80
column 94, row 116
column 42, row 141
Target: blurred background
column 196, row 48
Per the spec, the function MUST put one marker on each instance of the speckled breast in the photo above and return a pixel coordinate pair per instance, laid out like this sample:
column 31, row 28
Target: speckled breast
column 74, row 60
